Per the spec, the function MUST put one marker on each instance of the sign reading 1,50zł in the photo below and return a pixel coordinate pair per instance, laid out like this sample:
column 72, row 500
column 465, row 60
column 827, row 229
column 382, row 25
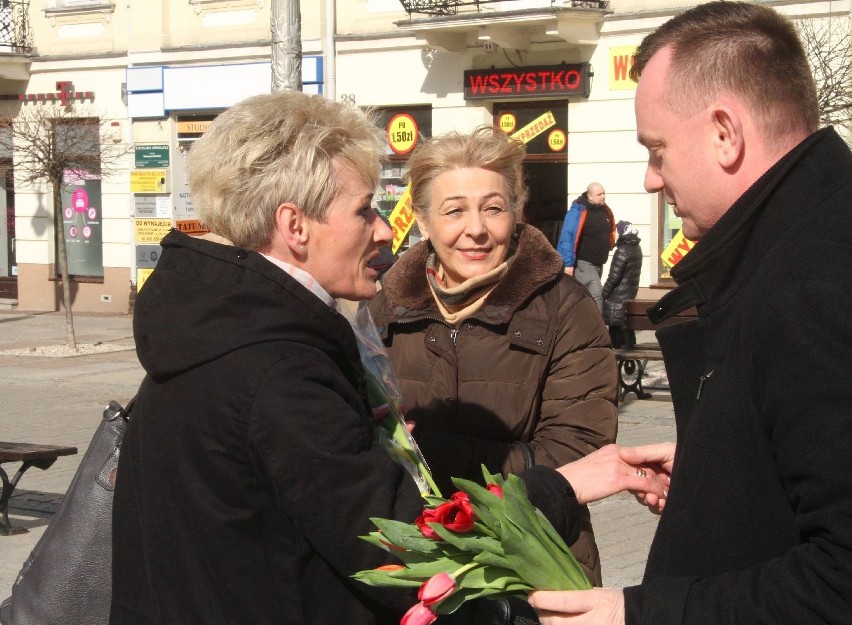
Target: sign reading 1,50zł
column 402, row 133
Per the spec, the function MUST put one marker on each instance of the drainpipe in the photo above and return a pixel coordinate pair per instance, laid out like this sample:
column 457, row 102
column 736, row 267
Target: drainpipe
column 330, row 51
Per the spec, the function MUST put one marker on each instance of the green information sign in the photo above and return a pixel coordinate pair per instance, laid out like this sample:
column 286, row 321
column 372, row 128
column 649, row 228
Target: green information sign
column 152, row 156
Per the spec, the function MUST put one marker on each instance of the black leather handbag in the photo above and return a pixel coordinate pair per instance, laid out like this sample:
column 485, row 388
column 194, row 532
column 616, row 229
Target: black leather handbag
column 68, row 576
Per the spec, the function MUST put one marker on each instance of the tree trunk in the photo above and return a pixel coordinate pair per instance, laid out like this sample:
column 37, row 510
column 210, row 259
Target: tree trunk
column 62, row 261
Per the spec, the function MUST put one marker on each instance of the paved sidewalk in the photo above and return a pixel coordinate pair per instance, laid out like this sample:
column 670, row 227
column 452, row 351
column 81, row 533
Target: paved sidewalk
column 60, row 401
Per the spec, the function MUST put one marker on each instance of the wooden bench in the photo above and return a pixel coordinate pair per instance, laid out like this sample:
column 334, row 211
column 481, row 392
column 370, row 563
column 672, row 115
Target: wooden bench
column 30, row 455
column 633, row 358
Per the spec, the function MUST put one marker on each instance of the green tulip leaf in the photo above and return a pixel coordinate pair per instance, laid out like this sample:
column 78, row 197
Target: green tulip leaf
column 381, row 578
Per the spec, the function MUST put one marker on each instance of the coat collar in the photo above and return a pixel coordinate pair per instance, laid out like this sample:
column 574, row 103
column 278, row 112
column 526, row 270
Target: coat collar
column 711, row 266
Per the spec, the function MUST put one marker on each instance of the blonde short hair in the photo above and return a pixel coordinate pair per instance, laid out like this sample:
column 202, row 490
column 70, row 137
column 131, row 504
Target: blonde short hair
column 487, row 147
column 277, row 148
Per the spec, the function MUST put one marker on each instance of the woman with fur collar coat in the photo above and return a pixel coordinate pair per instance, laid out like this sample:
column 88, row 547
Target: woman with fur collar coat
column 502, row 358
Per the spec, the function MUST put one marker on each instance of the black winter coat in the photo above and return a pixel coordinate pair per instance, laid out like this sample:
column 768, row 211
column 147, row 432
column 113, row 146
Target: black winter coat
column 757, row 528
column 249, row 467
column 622, row 282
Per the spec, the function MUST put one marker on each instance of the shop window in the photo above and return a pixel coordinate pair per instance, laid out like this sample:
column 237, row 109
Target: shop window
column 542, row 126
column 406, row 128
column 75, row 4
column 78, row 143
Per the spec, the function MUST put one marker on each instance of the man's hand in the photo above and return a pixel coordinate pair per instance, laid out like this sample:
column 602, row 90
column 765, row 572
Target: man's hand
column 599, row 606
column 569, row 271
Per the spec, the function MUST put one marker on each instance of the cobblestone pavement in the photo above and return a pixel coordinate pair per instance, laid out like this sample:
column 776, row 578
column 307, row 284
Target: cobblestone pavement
column 60, row 401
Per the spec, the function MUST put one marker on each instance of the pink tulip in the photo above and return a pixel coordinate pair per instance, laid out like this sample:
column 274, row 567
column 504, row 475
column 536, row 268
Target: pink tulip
column 436, row 588
column 419, row 614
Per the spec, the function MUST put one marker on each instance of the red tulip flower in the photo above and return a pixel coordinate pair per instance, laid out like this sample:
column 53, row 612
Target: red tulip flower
column 494, row 488
column 419, row 614
column 456, row 516
column 436, row 588
column 423, row 521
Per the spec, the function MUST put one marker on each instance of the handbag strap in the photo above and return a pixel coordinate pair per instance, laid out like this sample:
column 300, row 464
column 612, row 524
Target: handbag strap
column 115, row 410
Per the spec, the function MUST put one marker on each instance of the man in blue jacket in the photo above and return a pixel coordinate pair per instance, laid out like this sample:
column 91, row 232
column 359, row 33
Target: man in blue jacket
column 588, row 234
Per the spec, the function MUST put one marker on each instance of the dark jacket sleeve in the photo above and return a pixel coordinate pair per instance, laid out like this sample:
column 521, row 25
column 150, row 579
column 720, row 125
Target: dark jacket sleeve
column 616, row 270
column 579, row 410
column 551, row 493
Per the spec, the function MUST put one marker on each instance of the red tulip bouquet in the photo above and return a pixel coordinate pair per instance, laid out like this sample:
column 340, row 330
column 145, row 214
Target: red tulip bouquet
column 485, row 541
column 383, row 389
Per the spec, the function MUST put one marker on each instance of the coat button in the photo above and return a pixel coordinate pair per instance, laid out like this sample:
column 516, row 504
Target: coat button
column 539, row 342
column 242, row 254
column 517, row 334
column 449, row 401
column 431, row 338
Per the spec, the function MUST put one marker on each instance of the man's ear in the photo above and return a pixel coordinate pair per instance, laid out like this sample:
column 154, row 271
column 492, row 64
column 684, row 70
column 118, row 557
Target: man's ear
column 728, row 138
column 291, row 228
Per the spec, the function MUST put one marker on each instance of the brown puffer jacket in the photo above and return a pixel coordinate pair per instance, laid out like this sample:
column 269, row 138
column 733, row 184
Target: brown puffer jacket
column 530, row 379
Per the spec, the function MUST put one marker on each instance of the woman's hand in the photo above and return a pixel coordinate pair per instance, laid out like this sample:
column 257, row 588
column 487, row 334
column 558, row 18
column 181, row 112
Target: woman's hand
column 605, row 472
column 382, row 411
column 599, row 606
column 657, row 459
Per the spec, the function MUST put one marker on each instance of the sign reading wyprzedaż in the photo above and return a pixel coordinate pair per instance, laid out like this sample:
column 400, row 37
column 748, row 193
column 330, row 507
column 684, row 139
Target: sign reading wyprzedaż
column 528, row 82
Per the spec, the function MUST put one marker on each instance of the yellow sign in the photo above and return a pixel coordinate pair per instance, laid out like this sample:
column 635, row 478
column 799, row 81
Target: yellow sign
column 676, row 250
column 141, row 276
column 193, row 126
column 535, row 127
column 402, row 217
column 192, row 227
column 508, row 121
column 149, row 181
column 151, row 230
column 556, row 140
column 620, row 62
column 402, row 133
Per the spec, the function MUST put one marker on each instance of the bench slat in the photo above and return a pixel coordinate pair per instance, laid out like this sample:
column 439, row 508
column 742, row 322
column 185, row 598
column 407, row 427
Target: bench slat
column 13, row 452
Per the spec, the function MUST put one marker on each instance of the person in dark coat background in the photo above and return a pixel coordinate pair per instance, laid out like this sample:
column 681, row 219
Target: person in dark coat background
column 622, row 283
column 757, row 528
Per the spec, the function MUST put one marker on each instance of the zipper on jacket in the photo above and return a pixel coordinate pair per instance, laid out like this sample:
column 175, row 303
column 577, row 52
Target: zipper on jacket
column 453, row 333
column 701, row 382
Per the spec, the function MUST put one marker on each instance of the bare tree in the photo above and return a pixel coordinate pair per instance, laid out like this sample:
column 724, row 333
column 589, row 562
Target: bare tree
column 828, row 45
column 48, row 142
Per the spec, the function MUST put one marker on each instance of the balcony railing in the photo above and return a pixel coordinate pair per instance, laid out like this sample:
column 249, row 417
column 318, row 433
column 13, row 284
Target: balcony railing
column 453, row 7
column 15, row 35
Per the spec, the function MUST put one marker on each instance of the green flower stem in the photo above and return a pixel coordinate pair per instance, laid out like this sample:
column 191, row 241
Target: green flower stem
column 401, row 435
column 464, row 569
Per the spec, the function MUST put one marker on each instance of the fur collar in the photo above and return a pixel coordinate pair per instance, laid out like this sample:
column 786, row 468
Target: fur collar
column 536, row 263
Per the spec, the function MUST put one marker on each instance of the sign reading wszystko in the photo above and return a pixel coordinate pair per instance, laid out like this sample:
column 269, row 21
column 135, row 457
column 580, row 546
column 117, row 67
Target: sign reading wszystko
column 527, row 82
